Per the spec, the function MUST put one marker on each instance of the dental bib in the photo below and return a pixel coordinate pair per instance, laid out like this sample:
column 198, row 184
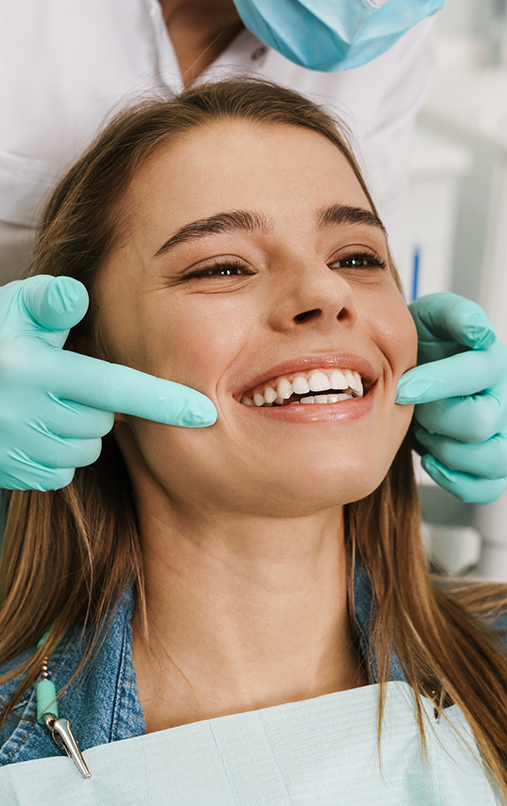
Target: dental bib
column 319, row 752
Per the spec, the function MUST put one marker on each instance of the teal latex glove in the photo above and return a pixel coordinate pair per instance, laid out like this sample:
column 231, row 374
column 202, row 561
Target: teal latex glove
column 56, row 405
column 460, row 391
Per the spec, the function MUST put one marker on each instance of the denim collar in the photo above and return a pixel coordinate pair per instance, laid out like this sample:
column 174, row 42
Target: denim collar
column 365, row 608
column 103, row 703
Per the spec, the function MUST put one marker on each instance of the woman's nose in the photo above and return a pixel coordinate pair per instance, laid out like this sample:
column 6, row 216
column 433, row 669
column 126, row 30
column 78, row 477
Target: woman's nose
column 313, row 295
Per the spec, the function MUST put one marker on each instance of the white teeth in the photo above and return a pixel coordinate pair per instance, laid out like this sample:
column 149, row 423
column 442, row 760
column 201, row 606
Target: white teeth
column 326, row 398
column 269, row 394
column 307, row 400
column 284, row 389
column 300, row 385
column 354, row 381
column 318, row 381
column 338, row 380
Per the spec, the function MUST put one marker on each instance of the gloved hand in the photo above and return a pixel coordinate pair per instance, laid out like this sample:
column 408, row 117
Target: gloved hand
column 56, row 405
column 460, row 391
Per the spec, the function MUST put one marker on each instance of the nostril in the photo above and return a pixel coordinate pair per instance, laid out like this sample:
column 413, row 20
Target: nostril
column 303, row 317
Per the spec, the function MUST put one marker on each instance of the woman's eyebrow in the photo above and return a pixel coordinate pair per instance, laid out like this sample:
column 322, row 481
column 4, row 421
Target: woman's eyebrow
column 343, row 214
column 243, row 220
column 249, row 221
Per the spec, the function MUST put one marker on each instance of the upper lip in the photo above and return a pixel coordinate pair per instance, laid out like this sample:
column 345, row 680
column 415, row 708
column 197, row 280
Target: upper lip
column 306, row 363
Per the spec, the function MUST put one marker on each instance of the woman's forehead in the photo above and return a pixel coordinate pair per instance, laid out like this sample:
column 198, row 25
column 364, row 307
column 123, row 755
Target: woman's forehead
column 237, row 164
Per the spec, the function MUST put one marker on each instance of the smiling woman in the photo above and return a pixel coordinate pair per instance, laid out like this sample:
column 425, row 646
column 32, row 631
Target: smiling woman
column 228, row 242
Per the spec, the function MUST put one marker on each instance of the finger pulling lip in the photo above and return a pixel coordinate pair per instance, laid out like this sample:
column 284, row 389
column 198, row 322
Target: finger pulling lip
column 305, row 364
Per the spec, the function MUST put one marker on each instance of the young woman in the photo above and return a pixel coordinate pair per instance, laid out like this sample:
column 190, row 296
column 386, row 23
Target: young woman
column 248, row 604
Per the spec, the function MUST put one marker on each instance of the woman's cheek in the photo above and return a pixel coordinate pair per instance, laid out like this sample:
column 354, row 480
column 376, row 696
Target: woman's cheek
column 396, row 332
column 400, row 347
column 408, row 338
column 198, row 342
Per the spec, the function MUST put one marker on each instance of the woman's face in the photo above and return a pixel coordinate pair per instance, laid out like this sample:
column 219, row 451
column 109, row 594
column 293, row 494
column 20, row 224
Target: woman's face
column 252, row 259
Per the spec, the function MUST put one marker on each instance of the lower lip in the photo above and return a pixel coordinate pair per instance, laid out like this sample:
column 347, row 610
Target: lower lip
column 317, row 412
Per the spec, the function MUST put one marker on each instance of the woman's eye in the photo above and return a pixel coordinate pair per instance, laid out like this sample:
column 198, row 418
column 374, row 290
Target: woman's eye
column 226, row 269
column 363, row 260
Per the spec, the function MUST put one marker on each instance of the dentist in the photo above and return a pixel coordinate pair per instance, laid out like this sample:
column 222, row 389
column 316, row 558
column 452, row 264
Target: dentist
column 74, row 63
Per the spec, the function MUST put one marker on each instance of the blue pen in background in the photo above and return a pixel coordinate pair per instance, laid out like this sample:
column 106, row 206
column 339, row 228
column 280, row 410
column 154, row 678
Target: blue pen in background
column 416, row 263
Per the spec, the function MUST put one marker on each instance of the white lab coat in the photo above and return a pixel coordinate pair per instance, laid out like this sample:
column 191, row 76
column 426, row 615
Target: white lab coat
column 66, row 65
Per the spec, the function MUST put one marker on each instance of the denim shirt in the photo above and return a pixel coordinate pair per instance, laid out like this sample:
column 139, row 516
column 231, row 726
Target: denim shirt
column 102, row 703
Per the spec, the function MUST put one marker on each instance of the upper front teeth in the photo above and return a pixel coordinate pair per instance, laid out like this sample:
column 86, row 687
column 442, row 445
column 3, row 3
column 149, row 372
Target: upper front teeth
column 284, row 389
column 319, row 381
column 300, row 385
column 354, row 380
column 346, row 380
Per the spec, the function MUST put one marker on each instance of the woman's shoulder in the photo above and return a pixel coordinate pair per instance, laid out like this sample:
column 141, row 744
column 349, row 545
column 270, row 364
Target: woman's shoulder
column 15, row 727
column 97, row 693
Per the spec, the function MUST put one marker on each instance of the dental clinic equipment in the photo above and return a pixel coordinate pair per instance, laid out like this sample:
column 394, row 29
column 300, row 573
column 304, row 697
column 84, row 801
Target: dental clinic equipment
column 48, row 715
column 244, row 758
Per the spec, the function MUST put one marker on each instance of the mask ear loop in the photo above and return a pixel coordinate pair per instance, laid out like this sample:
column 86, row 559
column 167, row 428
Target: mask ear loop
column 47, row 714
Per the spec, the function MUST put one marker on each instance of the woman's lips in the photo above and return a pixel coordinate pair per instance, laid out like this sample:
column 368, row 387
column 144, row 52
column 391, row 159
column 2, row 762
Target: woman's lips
column 317, row 380
column 343, row 410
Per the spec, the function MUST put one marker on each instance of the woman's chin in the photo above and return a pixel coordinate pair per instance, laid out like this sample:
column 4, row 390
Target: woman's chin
column 301, row 494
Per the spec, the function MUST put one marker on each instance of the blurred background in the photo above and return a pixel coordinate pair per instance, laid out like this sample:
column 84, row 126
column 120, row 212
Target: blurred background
column 455, row 235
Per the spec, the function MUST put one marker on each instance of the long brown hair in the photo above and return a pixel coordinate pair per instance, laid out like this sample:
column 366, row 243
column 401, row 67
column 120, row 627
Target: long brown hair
column 67, row 555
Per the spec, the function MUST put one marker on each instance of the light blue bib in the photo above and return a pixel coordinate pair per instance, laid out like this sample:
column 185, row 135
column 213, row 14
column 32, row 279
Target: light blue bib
column 319, row 752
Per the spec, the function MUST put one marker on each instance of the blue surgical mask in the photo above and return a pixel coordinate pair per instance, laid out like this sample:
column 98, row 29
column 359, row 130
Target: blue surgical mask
column 332, row 35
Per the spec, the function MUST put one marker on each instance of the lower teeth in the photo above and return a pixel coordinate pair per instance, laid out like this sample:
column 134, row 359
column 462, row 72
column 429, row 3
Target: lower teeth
column 320, row 399
column 323, row 399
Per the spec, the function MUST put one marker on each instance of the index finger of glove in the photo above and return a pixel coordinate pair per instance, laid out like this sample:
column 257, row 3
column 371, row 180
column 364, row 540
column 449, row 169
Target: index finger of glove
column 449, row 317
column 459, row 375
column 116, row 388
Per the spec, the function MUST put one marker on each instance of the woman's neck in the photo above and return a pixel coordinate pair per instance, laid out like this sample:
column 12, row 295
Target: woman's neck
column 242, row 614
column 200, row 30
